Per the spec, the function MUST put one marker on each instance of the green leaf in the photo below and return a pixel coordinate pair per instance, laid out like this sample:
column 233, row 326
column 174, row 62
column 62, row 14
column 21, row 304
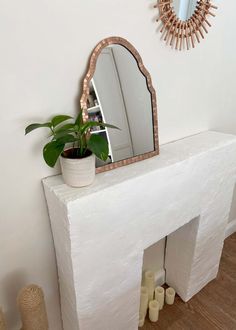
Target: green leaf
column 90, row 124
column 109, row 126
column 99, row 146
column 59, row 119
column 51, row 152
column 66, row 139
column 59, row 135
column 53, row 149
column 36, row 125
column 64, row 130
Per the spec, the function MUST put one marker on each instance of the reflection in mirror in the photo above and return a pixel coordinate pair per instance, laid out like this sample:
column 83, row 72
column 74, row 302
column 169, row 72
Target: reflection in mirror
column 184, row 9
column 118, row 94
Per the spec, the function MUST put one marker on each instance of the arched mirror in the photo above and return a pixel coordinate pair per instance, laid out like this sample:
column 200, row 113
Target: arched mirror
column 184, row 22
column 117, row 89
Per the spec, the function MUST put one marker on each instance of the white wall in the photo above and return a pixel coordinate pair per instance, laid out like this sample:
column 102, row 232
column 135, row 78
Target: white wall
column 44, row 51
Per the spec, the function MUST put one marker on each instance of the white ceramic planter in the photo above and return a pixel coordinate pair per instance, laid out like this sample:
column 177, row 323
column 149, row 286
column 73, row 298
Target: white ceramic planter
column 78, row 172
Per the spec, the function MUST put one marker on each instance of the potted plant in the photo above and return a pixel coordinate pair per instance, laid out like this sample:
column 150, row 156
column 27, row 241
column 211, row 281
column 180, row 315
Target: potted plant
column 76, row 147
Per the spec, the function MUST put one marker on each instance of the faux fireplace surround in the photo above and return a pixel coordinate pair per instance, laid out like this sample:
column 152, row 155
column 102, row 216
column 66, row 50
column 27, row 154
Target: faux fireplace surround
column 101, row 231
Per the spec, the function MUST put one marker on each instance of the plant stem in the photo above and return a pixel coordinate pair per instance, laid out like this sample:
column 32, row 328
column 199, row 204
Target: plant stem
column 52, row 131
column 81, row 145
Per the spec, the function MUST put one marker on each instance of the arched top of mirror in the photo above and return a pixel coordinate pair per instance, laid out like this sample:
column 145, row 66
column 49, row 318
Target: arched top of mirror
column 118, row 89
column 94, row 58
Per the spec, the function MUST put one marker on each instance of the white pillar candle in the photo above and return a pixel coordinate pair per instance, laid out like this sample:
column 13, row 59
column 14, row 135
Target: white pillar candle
column 149, row 282
column 170, row 296
column 141, row 320
column 160, row 296
column 154, row 307
column 143, row 301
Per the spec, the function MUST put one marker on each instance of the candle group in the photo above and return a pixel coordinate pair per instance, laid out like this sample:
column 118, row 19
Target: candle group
column 141, row 320
column 170, row 296
column 143, row 301
column 149, row 281
column 152, row 299
column 154, row 308
column 160, row 296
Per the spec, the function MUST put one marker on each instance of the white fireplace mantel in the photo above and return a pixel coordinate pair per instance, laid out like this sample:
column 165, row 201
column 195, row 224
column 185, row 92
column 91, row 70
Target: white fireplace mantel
column 101, row 231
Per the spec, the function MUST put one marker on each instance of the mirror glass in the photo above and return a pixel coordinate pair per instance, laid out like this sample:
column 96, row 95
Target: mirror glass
column 118, row 95
column 184, row 8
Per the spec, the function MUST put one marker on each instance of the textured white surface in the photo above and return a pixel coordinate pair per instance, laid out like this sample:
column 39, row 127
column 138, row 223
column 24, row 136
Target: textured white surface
column 101, row 231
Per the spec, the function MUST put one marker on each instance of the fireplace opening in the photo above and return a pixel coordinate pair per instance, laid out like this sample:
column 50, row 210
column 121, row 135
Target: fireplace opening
column 168, row 262
column 171, row 257
column 154, row 260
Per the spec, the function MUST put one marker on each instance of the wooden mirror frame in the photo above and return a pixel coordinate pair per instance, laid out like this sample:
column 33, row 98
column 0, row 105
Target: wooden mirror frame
column 85, row 93
column 175, row 31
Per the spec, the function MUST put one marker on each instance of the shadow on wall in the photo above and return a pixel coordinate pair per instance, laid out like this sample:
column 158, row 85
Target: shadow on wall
column 11, row 285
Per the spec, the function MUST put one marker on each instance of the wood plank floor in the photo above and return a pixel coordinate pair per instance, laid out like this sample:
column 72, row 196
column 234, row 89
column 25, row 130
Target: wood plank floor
column 212, row 308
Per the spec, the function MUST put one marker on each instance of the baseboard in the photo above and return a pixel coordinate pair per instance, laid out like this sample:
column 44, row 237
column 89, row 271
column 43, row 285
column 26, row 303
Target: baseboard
column 231, row 228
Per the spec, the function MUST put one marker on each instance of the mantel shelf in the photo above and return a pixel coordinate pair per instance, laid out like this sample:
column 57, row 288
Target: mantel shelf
column 170, row 154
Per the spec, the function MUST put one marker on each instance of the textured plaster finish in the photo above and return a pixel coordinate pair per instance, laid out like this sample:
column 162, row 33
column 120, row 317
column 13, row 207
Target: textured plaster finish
column 101, row 231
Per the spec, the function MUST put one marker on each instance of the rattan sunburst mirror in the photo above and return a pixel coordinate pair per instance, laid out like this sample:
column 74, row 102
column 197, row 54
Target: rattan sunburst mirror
column 184, row 23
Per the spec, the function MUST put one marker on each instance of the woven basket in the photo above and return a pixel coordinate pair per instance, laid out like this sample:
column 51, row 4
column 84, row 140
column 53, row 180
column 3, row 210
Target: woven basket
column 2, row 321
column 32, row 308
